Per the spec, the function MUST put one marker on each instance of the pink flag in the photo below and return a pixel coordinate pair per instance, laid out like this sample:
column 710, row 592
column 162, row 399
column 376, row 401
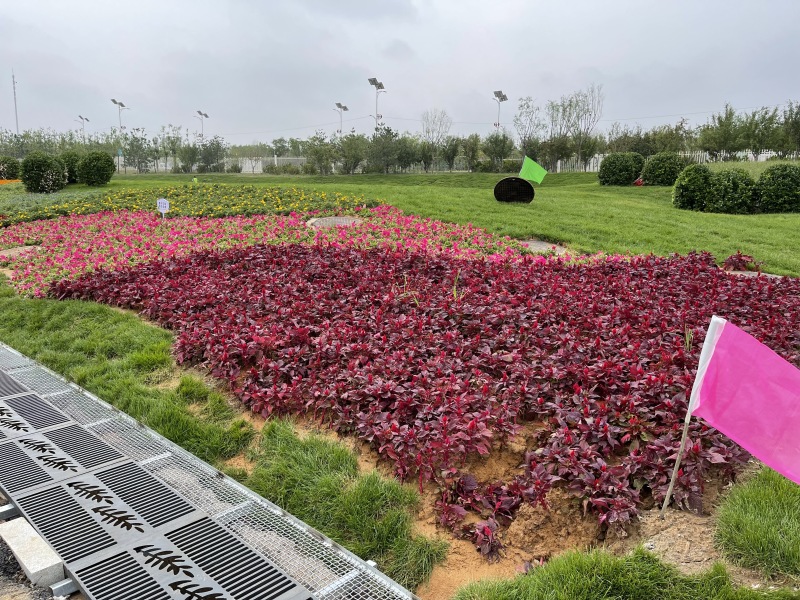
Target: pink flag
column 750, row 394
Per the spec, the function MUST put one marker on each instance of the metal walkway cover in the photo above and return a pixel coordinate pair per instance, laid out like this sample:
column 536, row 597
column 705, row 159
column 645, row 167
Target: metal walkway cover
column 135, row 517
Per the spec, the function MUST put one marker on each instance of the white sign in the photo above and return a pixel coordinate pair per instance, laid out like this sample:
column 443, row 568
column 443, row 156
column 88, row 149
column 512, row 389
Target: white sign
column 163, row 206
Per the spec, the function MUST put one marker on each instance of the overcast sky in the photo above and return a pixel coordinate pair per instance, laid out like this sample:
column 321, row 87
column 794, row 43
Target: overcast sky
column 262, row 69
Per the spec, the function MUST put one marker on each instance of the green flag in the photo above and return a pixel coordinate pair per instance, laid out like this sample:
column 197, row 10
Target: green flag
column 532, row 171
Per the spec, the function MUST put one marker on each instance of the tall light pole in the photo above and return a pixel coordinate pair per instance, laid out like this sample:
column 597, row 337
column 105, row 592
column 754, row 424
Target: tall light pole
column 120, row 108
column 378, row 85
column 14, row 85
column 82, row 121
column 202, row 116
column 340, row 108
column 499, row 97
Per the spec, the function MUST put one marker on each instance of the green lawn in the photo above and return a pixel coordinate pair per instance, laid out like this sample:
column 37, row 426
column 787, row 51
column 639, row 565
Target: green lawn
column 572, row 209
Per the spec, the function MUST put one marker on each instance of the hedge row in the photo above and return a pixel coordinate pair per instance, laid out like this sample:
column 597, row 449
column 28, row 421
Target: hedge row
column 735, row 191
column 624, row 168
column 45, row 174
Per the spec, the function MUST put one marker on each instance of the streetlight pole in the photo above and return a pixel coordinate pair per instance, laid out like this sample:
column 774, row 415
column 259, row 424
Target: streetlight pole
column 378, row 85
column 340, row 108
column 201, row 115
column 83, row 121
column 120, row 108
column 14, row 85
column 499, row 97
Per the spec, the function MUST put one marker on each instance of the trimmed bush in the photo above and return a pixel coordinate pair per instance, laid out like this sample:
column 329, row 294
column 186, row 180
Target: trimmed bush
column 692, row 188
column 235, row 168
column 70, row 158
column 96, row 168
column 620, row 168
column 9, row 167
column 42, row 173
column 779, row 189
column 732, row 191
column 663, row 168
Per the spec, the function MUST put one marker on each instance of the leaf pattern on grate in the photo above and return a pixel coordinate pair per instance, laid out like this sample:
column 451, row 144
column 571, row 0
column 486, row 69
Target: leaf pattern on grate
column 38, row 446
column 10, row 386
column 13, row 424
column 238, row 569
column 118, row 518
column 164, row 560
column 82, row 446
column 91, row 492
column 103, row 582
column 58, row 462
column 18, row 471
column 64, row 524
column 154, row 501
column 36, row 411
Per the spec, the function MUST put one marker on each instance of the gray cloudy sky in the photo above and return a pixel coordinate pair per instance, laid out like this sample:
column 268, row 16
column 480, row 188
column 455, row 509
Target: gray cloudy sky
column 265, row 69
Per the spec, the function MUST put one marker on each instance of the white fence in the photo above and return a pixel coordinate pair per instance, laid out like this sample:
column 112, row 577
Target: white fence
column 592, row 165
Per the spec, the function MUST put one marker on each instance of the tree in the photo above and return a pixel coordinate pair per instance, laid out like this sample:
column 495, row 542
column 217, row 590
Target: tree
column 321, row 152
column 188, row 154
column 212, row 155
column 171, row 142
column 427, row 152
column 297, row 147
column 383, row 149
column 280, row 146
column 530, row 126
column 408, row 151
column 760, row 131
column 586, row 107
column 723, row 137
column 498, row 146
column 137, row 150
column 353, row 150
column 253, row 154
column 669, row 138
column 472, row 150
column 435, row 127
column 791, row 126
column 559, row 117
column 450, row 148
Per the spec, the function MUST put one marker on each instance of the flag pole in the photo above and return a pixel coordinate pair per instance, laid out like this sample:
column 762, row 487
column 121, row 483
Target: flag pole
column 677, row 462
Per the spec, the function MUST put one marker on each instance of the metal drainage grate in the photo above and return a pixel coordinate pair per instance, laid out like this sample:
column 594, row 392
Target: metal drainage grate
column 278, row 541
column 11, row 359
column 9, row 387
column 65, row 524
column 240, row 571
column 18, row 471
column 106, row 583
column 82, row 446
column 35, row 411
column 145, row 494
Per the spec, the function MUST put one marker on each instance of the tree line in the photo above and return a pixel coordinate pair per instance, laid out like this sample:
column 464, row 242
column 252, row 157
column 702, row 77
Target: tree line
column 551, row 132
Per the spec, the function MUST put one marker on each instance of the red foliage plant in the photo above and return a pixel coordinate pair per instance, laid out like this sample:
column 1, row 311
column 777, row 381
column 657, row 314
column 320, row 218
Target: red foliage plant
column 431, row 358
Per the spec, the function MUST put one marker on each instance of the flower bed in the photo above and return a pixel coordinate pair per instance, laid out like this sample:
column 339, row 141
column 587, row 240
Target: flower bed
column 432, row 357
column 197, row 200
column 77, row 244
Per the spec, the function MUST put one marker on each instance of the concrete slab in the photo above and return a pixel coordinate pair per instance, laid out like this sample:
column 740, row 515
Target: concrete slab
column 40, row 563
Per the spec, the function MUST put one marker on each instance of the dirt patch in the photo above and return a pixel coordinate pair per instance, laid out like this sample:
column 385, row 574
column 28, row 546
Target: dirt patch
column 9, row 253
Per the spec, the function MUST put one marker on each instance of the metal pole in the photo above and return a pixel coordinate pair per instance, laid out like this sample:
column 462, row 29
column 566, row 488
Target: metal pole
column 377, row 91
column 340, row 121
column 498, row 116
column 14, row 85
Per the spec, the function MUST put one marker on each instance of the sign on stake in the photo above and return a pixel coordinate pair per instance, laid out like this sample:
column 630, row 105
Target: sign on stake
column 162, row 204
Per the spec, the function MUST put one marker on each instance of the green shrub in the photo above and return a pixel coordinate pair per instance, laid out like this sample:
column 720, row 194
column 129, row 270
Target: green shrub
column 289, row 169
column 96, row 168
column 269, row 169
column 9, row 167
column 663, row 168
column 778, row 189
column 71, row 158
column 235, row 168
column 309, row 169
column 620, row 168
column 732, row 191
column 43, row 174
column 692, row 188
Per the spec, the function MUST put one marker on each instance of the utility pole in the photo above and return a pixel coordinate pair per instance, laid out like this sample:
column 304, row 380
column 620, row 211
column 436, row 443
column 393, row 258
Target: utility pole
column 14, row 85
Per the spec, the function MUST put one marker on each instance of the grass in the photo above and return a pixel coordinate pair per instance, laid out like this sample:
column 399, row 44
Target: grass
column 127, row 362
column 569, row 208
column 318, row 481
column 598, row 575
column 758, row 524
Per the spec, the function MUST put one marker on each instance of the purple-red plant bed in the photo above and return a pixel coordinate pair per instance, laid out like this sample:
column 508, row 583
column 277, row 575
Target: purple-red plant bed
column 431, row 358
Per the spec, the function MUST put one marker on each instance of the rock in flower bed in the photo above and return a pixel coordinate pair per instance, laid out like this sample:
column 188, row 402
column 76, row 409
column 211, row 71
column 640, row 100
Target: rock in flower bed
column 77, row 244
column 431, row 357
